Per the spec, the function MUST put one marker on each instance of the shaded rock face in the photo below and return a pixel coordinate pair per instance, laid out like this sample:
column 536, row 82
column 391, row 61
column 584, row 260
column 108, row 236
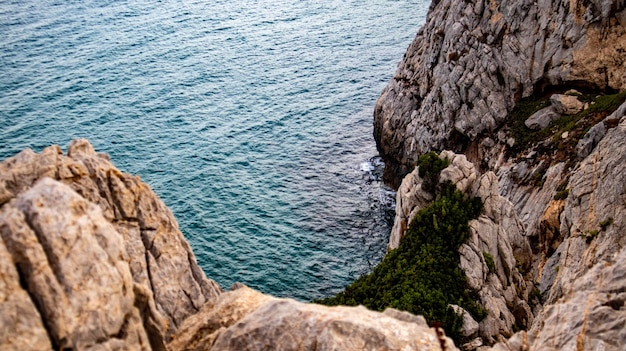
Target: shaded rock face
column 497, row 233
column 244, row 319
column 80, row 239
column 472, row 61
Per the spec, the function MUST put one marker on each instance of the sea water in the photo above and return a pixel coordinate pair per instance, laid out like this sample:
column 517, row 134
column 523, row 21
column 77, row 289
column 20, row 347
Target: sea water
column 252, row 120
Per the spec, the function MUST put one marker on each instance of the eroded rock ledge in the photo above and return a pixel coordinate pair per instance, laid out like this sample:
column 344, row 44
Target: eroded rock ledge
column 91, row 259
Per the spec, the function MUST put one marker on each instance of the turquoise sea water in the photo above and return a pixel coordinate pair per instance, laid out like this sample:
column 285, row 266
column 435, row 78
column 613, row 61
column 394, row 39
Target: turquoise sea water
column 250, row 119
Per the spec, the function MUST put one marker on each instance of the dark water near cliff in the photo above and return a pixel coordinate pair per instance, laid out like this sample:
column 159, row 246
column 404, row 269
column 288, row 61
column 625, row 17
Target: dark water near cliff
column 251, row 119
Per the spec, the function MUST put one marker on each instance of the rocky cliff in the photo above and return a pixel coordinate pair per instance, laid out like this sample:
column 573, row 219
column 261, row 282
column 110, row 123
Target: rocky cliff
column 474, row 60
column 529, row 96
column 91, row 259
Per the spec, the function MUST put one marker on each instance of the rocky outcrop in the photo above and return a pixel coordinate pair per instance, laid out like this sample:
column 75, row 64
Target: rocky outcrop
column 579, row 266
column 495, row 252
column 62, row 240
column 462, row 85
column 592, row 223
column 91, row 259
column 589, row 316
column 73, row 266
column 472, row 61
column 244, row 319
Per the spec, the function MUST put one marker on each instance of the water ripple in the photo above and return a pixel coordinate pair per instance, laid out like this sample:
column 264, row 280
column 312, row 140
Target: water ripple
column 251, row 119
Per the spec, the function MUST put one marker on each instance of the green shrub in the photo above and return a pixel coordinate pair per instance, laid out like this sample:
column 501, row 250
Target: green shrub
column 591, row 234
column 489, row 260
column 600, row 106
column 605, row 223
column 561, row 194
column 423, row 275
column 429, row 167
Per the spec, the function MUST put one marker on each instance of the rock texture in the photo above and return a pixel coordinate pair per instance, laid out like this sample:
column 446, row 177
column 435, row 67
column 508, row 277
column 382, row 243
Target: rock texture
column 91, row 259
column 592, row 223
column 22, row 326
column 590, row 316
column 472, row 61
column 553, row 217
column 497, row 233
column 79, row 232
column 73, row 265
column 542, row 118
column 579, row 266
column 244, row 319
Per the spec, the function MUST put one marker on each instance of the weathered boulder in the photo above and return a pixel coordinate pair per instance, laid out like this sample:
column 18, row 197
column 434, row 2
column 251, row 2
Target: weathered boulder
column 542, row 118
column 22, row 326
column 168, row 284
column 244, row 319
column 566, row 104
column 74, row 267
column 472, row 61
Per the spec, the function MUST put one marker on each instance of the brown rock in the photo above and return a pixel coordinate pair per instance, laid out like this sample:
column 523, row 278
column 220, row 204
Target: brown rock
column 74, row 266
column 566, row 104
column 244, row 319
column 169, row 285
column 22, row 327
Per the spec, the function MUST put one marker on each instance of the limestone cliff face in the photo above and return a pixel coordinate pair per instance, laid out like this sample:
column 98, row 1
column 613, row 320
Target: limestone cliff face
column 472, row 61
column 91, row 259
column 561, row 194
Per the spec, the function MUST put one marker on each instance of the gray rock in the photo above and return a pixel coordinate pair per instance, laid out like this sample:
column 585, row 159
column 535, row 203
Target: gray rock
column 471, row 61
column 410, row 198
column 566, row 104
column 590, row 316
column 593, row 221
column 588, row 142
column 542, row 118
column 470, row 326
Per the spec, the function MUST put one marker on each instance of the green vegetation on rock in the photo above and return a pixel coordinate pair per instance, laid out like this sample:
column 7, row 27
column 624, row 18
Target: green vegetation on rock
column 576, row 125
column 430, row 166
column 423, row 275
column 489, row 260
